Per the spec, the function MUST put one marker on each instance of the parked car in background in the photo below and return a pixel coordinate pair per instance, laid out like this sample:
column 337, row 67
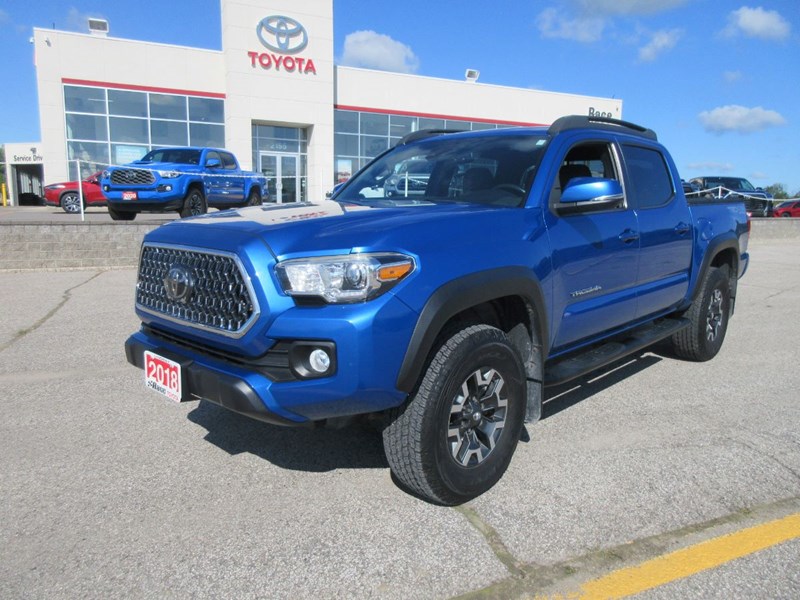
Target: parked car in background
column 757, row 201
column 410, row 178
column 787, row 209
column 66, row 194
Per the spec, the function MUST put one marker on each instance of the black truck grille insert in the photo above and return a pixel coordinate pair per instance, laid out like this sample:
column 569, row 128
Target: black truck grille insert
column 201, row 289
column 132, row 177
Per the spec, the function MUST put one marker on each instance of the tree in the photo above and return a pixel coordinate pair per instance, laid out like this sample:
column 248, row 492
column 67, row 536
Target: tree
column 2, row 164
column 778, row 191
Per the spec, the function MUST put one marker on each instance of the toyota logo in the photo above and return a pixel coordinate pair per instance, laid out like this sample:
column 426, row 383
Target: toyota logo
column 179, row 284
column 282, row 34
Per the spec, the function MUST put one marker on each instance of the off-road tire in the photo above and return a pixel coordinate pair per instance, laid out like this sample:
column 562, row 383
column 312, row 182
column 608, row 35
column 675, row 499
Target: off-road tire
column 253, row 198
column 120, row 215
column 708, row 317
column 194, row 204
column 424, row 435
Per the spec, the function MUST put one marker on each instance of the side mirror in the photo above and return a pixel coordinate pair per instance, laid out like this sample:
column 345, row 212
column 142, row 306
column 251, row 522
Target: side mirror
column 590, row 193
column 93, row 180
column 213, row 163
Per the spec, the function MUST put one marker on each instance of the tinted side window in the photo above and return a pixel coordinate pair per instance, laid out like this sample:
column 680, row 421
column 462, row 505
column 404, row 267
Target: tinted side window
column 649, row 179
column 213, row 156
column 228, row 162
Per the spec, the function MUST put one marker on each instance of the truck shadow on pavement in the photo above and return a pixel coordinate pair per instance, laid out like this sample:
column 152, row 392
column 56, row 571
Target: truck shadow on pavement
column 317, row 449
column 561, row 397
column 296, row 448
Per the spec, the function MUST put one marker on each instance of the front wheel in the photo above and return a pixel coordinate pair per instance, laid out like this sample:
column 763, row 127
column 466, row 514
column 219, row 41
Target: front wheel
column 120, row 215
column 71, row 203
column 708, row 319
column 194, row 204
column 455, row 437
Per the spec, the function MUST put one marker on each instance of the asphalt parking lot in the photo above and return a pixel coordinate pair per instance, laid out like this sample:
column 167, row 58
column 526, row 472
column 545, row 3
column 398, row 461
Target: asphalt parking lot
column 109, row 490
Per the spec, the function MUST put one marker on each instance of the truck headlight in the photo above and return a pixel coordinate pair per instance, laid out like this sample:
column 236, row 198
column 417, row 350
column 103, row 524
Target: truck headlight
column 169, row 174
column 344, row 279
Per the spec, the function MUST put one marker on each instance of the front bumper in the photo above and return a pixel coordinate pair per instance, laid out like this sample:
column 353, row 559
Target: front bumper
column 203, row 382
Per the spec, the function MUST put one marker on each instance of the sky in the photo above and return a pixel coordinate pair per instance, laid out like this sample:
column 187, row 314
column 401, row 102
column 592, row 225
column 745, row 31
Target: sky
column 718, row 80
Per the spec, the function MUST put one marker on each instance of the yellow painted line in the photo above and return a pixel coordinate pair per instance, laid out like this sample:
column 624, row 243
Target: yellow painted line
column 691, row 560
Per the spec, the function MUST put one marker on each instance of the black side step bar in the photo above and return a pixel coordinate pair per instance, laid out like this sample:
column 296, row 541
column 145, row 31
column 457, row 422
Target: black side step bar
column 576, row 365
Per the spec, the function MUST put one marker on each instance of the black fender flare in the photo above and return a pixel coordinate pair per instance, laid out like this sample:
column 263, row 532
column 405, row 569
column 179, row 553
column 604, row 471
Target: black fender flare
column 459, row 295
column 712, row 251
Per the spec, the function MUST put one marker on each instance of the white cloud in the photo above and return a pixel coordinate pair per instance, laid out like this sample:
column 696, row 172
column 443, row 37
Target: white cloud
column 626, row 7
column 711, row 167
column 4, row 18
column 758, row 23
column 373, row 50
column 740, row 119
column 551, row 24
column 732, row 76
column 660, row 42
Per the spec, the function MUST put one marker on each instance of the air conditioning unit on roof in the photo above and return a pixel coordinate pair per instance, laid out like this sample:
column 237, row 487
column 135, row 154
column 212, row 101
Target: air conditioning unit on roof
column 98, row 27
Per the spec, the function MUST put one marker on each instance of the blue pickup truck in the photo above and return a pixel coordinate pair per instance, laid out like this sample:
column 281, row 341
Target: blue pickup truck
column 533, row 257
column 184, row 179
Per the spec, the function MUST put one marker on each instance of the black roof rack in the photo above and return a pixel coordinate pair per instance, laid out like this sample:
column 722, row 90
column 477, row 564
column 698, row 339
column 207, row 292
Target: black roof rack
column 424, row 133
column 606, row 123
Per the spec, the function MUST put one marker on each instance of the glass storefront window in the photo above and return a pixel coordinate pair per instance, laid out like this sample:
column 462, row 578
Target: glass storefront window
column 373, row 145
column 168, row 133
column 128, row 130
column 126, row 153
column 346, row 144
column 203, row 134
column 457, row 125
column 86, row 127
column 88, row 151
column 85, row 99
column 374, row 124
column 127, row 104
column 426, row 123
column 345, row 121
column 166, row 106
column 400, row 126
column 206, row 110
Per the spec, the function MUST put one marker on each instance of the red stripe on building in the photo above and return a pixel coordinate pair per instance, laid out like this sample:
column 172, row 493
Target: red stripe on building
column 406, row 113
column 140, row 88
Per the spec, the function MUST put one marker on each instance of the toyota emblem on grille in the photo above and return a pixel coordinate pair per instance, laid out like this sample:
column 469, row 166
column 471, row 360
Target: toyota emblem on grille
column 282, row 34
column 179, row 284
column 130, row 175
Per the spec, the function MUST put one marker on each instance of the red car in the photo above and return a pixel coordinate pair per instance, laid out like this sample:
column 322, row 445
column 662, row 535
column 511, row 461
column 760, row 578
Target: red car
column 65, row 195
column 788, row 209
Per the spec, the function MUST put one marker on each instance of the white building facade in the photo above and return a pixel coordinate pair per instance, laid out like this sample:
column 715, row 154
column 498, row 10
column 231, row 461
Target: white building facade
column 273, row 95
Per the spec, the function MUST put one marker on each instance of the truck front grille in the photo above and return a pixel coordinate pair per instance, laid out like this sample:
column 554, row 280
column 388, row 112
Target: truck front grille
column 207, row 290
column 132, row 177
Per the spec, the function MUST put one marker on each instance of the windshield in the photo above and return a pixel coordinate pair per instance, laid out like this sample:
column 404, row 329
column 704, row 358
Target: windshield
column 493, row 169
column 186, row 156
column 731, row 183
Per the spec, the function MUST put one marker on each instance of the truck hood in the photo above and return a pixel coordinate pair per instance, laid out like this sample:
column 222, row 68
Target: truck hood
column 309, row 228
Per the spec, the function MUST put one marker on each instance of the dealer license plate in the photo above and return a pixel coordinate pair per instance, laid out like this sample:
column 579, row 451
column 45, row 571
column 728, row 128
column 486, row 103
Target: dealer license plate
column 129, row 195
column 162, row 375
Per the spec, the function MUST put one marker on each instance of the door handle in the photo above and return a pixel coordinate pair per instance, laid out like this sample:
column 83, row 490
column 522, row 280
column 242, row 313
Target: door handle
column 682, row 228
column 629, row 236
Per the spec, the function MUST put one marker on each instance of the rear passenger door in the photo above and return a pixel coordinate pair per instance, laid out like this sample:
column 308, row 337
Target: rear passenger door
column 214, row 177
column 595, row 249
column 665, row 229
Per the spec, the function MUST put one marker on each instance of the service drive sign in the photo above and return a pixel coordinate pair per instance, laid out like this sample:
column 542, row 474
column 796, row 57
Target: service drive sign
column 284, row 39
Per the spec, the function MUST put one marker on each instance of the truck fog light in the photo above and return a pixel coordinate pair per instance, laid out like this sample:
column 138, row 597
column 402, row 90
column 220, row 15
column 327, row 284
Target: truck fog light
column 319, row 360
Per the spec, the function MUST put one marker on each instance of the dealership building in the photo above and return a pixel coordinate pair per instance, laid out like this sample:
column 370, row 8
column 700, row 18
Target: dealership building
column 273, row 95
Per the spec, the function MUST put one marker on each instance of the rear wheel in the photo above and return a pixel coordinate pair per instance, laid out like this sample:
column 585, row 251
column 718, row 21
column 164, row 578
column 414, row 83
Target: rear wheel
column 708, row 317
column 194, row 204
column 455, row 437
column 120, row 215
column 71, row 203
column 786, row 214
column 254, row 198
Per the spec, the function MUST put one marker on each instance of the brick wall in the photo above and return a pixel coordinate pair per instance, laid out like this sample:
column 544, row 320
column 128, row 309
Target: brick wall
column 27, row 246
